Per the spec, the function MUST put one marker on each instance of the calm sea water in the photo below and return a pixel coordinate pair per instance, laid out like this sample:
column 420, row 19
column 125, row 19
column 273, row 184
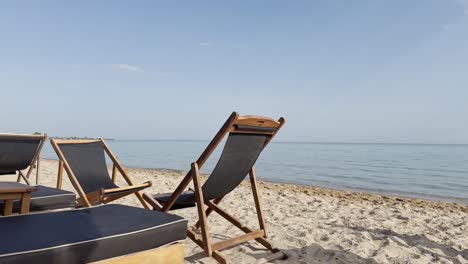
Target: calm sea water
column 437, row 172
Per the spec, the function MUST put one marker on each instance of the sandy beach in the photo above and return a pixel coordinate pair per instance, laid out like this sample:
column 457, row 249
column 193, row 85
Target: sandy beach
column 316, row 225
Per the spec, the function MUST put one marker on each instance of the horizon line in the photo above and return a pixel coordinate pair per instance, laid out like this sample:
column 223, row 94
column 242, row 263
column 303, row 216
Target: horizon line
column 305, row 142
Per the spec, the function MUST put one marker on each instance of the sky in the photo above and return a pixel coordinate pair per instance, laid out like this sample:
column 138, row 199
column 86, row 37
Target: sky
column 391, row 71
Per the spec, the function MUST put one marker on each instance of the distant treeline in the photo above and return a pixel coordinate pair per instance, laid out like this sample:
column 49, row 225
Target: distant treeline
column 74, row 138
column 80, row 138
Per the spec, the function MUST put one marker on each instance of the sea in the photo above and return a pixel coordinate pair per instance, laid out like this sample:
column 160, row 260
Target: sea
column 435, row 172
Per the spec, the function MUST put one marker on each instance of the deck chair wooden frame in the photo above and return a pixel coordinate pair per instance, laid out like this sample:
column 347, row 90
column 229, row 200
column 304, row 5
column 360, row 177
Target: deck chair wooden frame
column 234, row 124
column 35, row 163
column 101, row 195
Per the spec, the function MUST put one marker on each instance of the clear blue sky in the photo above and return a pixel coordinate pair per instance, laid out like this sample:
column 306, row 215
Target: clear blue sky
column 346, row 71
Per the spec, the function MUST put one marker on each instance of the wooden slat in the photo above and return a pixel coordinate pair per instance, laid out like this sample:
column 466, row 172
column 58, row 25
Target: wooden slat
column 10, row 196
column 15, row 187
column 237, row 240
column 252, row 132
column 239, row 225
column 257, row 121
column 127, row 188
column 215, row 254
column 6, row 136
column 75, row 141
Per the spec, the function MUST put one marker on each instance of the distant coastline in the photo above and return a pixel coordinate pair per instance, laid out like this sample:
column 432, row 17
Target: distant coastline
column 81, row 138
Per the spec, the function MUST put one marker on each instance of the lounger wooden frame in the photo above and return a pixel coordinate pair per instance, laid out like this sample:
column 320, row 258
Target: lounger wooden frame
column 234, row 124
column 101, row 195
column 35, row 161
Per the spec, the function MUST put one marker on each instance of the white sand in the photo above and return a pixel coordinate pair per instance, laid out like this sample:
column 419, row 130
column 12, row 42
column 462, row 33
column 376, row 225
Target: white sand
column 317, row 225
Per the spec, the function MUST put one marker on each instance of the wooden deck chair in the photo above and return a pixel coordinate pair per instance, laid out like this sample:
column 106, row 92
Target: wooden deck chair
column 20, row 152
column 85, row 163
column 247, row 137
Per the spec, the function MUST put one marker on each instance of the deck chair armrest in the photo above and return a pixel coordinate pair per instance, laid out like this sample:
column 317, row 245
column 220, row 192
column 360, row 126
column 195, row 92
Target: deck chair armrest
column 127, row 188
column 91, row 197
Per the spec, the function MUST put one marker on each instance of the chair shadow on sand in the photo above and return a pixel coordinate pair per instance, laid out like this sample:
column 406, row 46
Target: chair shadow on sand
column 419, row 241
column 313, row 253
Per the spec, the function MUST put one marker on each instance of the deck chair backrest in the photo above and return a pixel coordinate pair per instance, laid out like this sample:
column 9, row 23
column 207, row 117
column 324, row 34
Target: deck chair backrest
column 239, row 155
column 17, row 152
column 88, row 163
column 247, row 137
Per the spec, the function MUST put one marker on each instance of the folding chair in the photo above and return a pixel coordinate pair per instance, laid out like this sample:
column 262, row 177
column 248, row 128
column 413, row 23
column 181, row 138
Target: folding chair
column 85, row 163
column 19, row 152
column 247, row 137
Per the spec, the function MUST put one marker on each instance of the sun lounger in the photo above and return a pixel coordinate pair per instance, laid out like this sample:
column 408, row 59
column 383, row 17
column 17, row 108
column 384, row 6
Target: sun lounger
column 46, row 198
column 20, row 152
column 247, row 137
column 108, row 233
column 85, row 164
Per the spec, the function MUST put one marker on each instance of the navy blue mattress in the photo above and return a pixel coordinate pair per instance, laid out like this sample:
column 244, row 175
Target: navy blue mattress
column 86, row 235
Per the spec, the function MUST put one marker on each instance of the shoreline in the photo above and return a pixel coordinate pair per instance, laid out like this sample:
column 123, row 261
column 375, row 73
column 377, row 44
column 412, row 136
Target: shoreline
column 362, row 191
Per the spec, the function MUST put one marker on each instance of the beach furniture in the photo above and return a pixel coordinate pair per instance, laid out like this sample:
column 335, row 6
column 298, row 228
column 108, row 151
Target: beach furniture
column 44, row 198
column 19, row 152
column 10, row 191
column 104, row 234
column 85, row 164
column 247, row 136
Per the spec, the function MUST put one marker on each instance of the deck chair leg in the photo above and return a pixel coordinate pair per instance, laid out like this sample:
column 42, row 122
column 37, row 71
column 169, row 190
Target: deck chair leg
column 142, row 201
column 114, row 173
column 21, row 176
column 215, row 254
column 30, row 170
column 219, row 257
column 37, row 169
column 239, row 225
column 258, row 207
column 201, row 210
column 208, row 212
column 60, row 175
column 155, row 204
